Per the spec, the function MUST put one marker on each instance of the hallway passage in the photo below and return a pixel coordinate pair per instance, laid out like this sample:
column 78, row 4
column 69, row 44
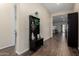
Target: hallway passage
column 57, row 46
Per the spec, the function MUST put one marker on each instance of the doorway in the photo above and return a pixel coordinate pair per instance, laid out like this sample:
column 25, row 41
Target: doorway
column 63, row 28
column 59, row 24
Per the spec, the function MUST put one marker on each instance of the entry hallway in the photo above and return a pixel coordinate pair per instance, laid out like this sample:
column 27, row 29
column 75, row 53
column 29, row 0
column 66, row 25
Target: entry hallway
column 57, row 46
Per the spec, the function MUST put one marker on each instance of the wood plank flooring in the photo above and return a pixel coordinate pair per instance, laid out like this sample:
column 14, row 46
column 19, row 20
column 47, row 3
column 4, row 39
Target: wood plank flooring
column 56, row 46
column 10, row 51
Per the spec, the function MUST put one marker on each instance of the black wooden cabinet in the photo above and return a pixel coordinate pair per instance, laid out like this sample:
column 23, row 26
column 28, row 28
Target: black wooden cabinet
column 73, row 30
column 34, row 29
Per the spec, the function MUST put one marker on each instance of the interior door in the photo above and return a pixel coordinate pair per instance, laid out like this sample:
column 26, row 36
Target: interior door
column 73, row 30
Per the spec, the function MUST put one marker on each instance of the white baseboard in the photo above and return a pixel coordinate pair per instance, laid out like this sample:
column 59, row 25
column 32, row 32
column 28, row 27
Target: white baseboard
column 6, row 46
column 19, row 53
column 47, row 39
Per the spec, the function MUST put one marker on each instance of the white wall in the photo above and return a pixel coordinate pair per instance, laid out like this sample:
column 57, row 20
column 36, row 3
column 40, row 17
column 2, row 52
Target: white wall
column 6, row 25
column 76, row 7
column 62, row 13
column 23, row 12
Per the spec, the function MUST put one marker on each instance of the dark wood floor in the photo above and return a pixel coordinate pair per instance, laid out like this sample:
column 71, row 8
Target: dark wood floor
column 56, row 46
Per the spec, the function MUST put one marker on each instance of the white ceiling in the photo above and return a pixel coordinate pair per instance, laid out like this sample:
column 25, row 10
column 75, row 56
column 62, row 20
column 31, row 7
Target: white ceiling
column 62, row 7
